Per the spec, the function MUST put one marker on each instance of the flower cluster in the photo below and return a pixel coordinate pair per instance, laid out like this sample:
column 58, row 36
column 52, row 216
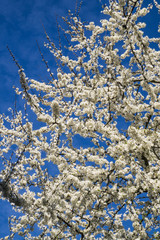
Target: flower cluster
column 98, row 128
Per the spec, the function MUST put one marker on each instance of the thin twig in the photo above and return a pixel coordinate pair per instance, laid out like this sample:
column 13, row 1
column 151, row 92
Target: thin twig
column 14, row 59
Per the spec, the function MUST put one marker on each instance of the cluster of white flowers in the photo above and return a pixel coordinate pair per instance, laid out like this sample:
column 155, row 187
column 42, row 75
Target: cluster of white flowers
column 99, row 129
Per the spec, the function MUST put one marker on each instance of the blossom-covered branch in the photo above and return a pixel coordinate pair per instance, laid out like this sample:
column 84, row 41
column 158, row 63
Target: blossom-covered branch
column 98, row 127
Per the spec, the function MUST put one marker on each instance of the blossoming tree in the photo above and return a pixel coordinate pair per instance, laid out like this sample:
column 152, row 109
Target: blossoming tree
column 99, row 123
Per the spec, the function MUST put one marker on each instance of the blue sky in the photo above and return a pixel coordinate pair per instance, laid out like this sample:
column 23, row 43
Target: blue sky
column 20, row 28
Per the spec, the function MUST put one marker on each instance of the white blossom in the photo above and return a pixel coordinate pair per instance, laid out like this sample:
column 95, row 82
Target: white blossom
column 89, row 163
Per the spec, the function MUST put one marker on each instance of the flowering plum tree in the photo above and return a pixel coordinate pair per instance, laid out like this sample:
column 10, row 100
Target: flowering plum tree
column 98, row 122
